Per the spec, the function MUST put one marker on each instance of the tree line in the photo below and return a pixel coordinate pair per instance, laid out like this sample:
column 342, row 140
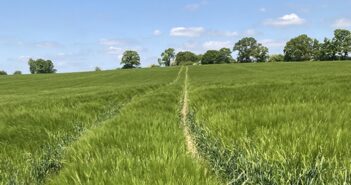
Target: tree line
column 38, row 66
column 304, row 48
column 300, row 48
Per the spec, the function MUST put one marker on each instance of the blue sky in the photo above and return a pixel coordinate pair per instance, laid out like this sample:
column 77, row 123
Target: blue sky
column 80, row 35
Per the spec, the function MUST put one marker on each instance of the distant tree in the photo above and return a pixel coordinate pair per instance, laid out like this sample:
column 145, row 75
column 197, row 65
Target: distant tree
column 17, row 73
column 250, row 51
column 160, row 62
column 186, row 57
column 299, row 49
column 199, row 58
column 97, row 69
column 154, row 66
column 167, row 56
column 3, row 73
column 40, row 66
column 261, row 53
column 217, row 57
column 342, row 41
column 211, row 57
column 245, row 48
column 130, row 59
column 316, row 50
column 276, row 58
column 226, row 55
column 328, row 50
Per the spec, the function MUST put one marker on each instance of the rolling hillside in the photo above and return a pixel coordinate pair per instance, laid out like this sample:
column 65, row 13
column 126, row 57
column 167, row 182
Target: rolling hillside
column 276, row 123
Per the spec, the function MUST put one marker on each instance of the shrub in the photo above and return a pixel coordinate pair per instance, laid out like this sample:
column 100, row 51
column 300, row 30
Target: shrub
column 276, row 58
column 17, row 73
column 3, row 73
column 154, row 66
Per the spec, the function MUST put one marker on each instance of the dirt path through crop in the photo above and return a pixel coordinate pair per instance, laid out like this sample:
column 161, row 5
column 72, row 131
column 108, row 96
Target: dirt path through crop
column 189, row 141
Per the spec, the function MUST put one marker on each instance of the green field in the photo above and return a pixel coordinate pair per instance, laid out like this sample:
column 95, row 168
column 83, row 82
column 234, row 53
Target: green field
column 276, row 123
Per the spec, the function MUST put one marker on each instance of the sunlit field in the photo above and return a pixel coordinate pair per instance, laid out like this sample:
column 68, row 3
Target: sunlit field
column 269, row 123
column 114, row 126
column 274, row 124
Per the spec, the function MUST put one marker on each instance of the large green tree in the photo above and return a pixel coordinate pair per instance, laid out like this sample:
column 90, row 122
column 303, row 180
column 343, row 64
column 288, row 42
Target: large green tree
column 249, row 50
column 186, row 57
column 211, row 57
column 342, row 41
column 299, row 49
column 217, row 57
column 41, row 66
column 130, row 59
column 167, row 56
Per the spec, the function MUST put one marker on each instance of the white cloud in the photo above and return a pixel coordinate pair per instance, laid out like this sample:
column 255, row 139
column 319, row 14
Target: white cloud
column 187, row 31
column 31, row 45
column 192, row 7
column 190, row 46
column 113, row 50
column 118, row 51
column 117, row 47
column 342, row 23
column 250, row 33
column 24, row 58
column 47, row 44
column 157, row 33
column 113, row 42
column 263, row 10
column 216, row 45
column 61, row 54
column 197, row 47
column 200, row 31
column 195, row 6
column 286, row 20
column 272, row 43
column 224, row 33
column 114, row 46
